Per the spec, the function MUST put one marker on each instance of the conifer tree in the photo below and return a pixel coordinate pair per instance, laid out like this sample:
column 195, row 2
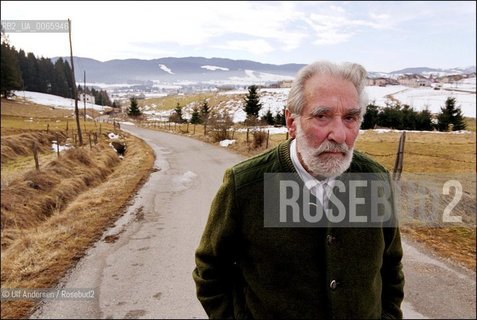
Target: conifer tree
column 204, row 111
column 195, row 118
column 269, row 118
column 424, row 120
column 252, row 103
column 60, row 87
column 11, row 78
column 370, row 118
column 45, row 75
column 280, row 118
column 176, row 116
column 450, row 114
column 134, row 108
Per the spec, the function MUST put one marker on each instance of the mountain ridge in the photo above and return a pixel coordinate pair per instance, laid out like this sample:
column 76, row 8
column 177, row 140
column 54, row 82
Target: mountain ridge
column 201, row 69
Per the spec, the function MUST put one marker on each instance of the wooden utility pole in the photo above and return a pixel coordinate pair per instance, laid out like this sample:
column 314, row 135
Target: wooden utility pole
column 84, row 95
column 80, row 137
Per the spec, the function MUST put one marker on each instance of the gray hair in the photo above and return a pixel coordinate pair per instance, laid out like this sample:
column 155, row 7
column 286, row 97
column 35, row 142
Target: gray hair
column 348, row 71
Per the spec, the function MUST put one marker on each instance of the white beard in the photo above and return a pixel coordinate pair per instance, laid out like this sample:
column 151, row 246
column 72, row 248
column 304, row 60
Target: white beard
column 320, row 167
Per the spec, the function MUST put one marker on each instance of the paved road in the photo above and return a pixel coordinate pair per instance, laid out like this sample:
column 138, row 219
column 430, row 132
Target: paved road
column 144, row 268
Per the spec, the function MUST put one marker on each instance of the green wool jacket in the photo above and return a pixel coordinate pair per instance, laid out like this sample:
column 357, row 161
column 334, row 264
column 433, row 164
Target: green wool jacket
column 245, row 270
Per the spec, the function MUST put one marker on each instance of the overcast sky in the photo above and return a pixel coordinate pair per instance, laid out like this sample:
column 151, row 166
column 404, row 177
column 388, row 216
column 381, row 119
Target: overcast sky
column 382, row 35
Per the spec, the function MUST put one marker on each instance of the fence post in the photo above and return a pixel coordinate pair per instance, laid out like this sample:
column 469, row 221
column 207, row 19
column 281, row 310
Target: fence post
column 47, row 128
column 35, row 156
column 57, row 145
column 248, row 129
column 268, row 136
column 89, row 138
column 399, row 158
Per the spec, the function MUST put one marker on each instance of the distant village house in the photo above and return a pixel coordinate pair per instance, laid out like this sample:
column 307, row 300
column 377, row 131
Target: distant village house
column 414, row 80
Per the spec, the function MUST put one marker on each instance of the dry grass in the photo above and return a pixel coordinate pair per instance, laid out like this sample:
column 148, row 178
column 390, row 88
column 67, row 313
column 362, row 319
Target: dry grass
column 50, row 217
column 29, row 201
column 21, row 116
column 197, row 99
column 19, row 145
column 21, row 108
column 454, row 243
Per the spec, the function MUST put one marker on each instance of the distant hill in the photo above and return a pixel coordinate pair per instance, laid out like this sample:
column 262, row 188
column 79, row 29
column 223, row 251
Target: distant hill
column 424, row 71
column 175, row 69
column 199, row 69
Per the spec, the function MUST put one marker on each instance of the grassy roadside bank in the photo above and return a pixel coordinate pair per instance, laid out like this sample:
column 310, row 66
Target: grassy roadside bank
column 38, row 251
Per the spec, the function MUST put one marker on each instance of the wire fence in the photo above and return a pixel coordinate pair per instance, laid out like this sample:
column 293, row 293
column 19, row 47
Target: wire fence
column 268, row 139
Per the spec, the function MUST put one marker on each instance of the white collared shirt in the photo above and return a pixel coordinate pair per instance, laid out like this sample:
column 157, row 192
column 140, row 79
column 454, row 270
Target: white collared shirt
column 315, row 186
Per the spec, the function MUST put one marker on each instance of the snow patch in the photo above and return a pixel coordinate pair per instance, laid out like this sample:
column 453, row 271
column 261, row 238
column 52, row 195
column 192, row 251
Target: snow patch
column 112, row 136
column 55, row 147
column 225, row 143
column 214, row 68
column 52, row 100
column 165, row 68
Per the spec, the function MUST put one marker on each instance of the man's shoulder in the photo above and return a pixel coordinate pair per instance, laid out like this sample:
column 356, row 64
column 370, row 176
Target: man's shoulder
column 252, row 170
column 363, row 163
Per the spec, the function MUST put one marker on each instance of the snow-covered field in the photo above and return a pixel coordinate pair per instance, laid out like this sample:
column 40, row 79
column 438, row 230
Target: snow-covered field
column 54, row 101
column 275, row 99
column 418, row 98
column 421, row 98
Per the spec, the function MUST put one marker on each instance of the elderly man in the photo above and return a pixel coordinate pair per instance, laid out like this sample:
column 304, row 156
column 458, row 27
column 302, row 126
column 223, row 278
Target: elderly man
column 246, row 269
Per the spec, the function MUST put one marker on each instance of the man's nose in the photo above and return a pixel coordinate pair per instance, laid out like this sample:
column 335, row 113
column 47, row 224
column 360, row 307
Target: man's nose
column 337, row 130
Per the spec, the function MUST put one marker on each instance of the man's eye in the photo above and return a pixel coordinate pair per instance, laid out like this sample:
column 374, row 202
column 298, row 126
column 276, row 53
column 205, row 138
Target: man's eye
column 351, row 118
column 320, row 116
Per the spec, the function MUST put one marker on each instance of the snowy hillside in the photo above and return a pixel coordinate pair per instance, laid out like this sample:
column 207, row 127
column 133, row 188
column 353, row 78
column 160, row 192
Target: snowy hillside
column 275, row 99
column 54, row 101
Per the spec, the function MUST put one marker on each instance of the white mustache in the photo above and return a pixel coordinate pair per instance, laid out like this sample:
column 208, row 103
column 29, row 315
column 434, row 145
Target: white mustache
column 328, row 146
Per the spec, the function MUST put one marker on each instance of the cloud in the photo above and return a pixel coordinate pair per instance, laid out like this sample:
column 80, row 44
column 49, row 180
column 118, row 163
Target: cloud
column 257, row 47
column 336, row 25
column 277, row 32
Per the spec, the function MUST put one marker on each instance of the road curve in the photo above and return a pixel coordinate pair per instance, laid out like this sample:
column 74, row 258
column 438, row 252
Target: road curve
column 142, row 267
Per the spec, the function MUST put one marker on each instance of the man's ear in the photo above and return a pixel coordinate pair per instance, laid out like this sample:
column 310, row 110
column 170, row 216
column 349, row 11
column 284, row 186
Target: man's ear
column 291, row 125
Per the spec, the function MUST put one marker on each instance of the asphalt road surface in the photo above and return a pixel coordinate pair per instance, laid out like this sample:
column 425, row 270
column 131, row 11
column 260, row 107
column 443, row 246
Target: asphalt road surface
column 142, row 268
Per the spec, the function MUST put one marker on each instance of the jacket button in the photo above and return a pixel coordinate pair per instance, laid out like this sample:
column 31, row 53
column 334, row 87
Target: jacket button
column 333, row 284
column 330, row 239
